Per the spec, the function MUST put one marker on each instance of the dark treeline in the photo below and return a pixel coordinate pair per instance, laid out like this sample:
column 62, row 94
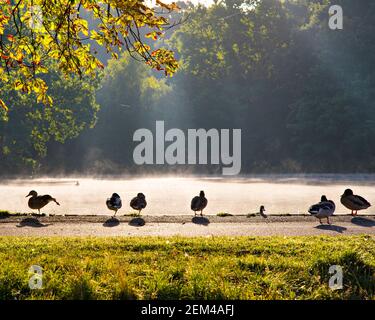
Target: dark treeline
column 302, row 94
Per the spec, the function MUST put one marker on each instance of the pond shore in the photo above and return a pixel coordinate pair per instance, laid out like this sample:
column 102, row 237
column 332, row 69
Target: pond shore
column 17, row 217
column 27, row 225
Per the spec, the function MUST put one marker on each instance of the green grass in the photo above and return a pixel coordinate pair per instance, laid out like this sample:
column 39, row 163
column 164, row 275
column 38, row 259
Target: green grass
column 224, row 214
column 7, row 214
column 132, row 214
column 251, row 215
column 188, row 268
column 4, row 213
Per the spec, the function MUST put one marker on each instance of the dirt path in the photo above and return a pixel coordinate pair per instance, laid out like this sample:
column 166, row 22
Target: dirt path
column 183, row 226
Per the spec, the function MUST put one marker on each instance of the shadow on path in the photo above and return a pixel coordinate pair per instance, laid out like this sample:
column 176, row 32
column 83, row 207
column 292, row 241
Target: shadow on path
column 363, row 222
column 111, row 222
column 32, row 222
column 201, row 220
column 331, row 228
column 137, row 222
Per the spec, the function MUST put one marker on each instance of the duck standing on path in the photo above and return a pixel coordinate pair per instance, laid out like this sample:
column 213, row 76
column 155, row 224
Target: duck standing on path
column 139, row 202
column 199, row 203
column 354, row 202
column 261, row 211
column 114, row 203
column 38, row 202
column 324, row 209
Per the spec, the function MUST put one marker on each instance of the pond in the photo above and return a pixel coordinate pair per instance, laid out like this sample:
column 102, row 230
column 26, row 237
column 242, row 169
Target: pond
column 167, row 195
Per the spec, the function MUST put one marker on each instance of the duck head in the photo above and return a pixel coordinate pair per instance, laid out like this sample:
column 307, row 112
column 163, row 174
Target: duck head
column 323, row 199
column 32, row 193
column 141, row 196
column 201, row 194
column 348, row 192
column 115, row 195
column 262, row 209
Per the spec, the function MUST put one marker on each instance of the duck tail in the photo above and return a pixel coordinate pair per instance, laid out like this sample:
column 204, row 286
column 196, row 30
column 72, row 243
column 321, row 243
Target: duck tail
column 313, row 210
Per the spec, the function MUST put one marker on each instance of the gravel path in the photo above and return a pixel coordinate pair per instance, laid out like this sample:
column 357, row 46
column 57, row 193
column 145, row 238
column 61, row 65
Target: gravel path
column 183, row 226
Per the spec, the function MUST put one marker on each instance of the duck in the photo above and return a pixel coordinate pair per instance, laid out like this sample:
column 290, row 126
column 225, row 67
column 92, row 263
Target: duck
column 324, row 209
column 38, row 202
column 199, row 203
column 354, row 202
column 114, row 203
column 262, row 209
column 139, row 202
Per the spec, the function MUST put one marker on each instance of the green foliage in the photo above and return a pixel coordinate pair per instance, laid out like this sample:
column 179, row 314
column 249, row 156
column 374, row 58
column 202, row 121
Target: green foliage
column 34, row 32
column 29, row 127
column 126, row 105
column 188, row 268
column 224, row 214
column 301, row 93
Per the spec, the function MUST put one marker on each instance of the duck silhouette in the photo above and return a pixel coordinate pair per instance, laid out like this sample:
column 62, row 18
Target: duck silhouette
column 354, row 202
column 38, row 202
column 262, row 209
column 324, row 209
column 199, row 203
column 139, row 202
column 114, row 203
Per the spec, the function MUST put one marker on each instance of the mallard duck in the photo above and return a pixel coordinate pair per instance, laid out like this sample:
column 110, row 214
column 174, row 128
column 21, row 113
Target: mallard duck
column 261, row 211
column 199, row 203
column 324, row 209
column 38, row 202
column 354, row 202
column 139, row 202
column 114, row 203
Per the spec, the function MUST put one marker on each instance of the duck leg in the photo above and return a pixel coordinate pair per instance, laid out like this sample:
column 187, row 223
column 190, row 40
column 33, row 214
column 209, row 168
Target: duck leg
column 115, row 214
column 201, row 213
column 328, row 220
column 320, row 220
column 195, row 213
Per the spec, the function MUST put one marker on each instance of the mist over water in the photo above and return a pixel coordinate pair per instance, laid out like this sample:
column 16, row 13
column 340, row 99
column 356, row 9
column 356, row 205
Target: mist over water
column 280, row 194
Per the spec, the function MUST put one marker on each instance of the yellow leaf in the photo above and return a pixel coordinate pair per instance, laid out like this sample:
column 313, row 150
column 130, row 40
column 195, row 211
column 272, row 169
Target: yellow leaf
column 3, row 105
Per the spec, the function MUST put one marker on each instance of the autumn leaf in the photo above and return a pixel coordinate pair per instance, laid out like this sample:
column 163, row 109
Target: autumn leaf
column 3, row 105
column 63, row 38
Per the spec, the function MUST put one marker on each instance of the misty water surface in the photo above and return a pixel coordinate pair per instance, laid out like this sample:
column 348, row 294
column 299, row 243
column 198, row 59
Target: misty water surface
column 172, row 195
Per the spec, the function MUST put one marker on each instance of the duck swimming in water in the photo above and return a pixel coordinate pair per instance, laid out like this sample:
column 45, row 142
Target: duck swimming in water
column 38, row 202
column 114, row 203
column 354, row 202
column 324, row 209
column 199, row 203
column 139, row 202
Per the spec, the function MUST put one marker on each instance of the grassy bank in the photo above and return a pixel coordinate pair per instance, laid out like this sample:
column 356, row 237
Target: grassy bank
column 182, row 268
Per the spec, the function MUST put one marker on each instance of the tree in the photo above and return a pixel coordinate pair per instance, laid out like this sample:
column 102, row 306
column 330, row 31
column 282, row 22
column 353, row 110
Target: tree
column 33, row 32
column 29, row 127
column 127, row 104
